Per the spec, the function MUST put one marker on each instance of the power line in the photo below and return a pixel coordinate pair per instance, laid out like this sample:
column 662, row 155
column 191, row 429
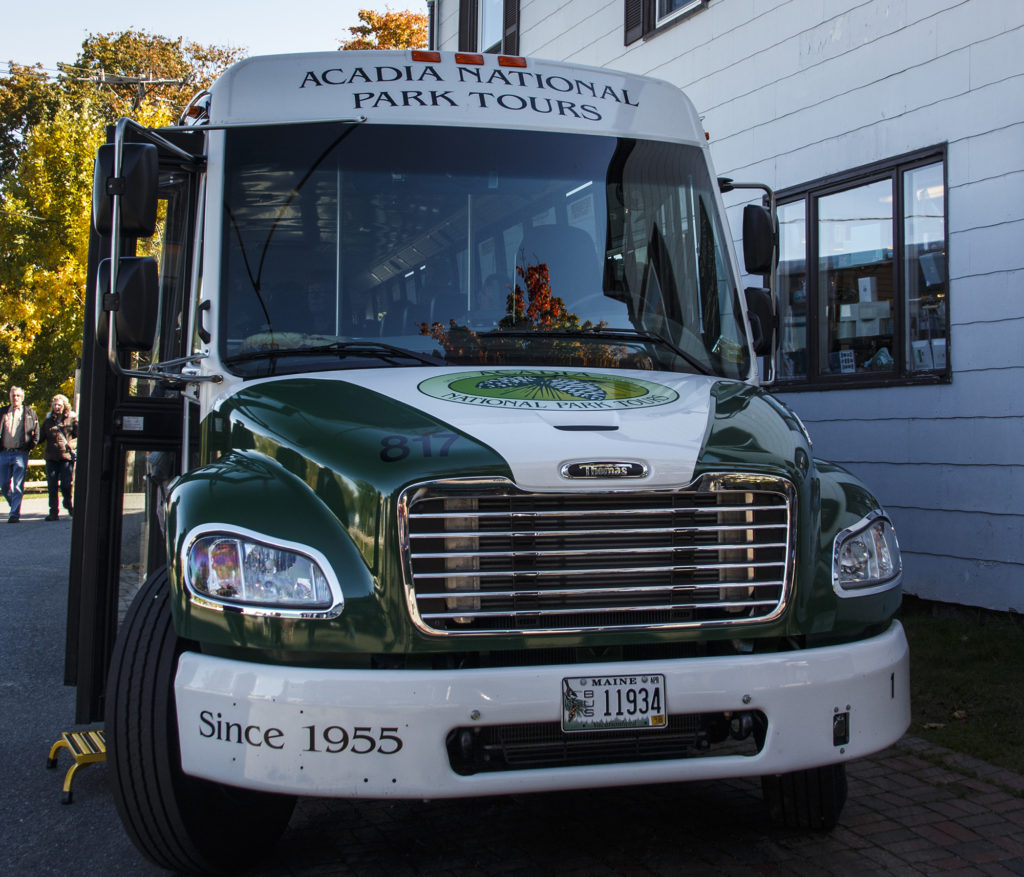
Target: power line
column 142, row 83
column 101, row 78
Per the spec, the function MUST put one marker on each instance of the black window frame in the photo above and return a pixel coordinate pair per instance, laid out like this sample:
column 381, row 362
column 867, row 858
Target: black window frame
column 641, row 18
column 809, row 194
column 469, row 28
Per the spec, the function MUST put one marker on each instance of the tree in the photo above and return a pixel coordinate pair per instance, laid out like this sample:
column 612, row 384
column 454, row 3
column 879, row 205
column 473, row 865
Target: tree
column 388, row 30
column 134, row 70
column 49, row 132
column 26, row 97
column 43, row 247
column 533, row 322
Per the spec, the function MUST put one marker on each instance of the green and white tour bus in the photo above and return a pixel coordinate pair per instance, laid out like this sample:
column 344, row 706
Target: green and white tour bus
column 425, row 454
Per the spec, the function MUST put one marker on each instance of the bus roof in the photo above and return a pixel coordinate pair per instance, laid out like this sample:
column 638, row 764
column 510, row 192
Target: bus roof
column 417, row 87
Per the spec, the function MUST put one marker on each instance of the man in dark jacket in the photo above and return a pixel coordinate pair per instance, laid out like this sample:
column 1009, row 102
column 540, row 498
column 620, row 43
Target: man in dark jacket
column 19, row 433
column 60, row 432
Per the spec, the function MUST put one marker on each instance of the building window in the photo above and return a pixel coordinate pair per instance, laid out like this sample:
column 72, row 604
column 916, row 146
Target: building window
column 669, row 9
column 645, row 17
column 489, row 26
column 863, row 293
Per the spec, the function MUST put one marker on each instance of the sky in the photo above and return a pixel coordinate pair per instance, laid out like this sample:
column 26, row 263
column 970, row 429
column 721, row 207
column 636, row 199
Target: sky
column 48, row 31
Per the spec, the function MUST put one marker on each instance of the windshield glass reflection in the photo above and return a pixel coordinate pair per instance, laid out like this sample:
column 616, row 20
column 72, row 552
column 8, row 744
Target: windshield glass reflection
column 471, row 246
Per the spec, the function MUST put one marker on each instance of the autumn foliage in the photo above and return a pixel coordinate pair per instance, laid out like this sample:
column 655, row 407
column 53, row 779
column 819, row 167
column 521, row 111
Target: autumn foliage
column 388, row 30
column 532, row 310
column 49, row 131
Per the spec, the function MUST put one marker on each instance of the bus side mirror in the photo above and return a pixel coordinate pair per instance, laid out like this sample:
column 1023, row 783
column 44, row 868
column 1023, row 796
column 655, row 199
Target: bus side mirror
column 136, row 186
column 758, row 239
column 135, row 303
column 761, row 315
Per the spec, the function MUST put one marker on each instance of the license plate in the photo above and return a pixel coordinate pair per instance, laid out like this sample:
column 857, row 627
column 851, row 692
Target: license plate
column 614, row 703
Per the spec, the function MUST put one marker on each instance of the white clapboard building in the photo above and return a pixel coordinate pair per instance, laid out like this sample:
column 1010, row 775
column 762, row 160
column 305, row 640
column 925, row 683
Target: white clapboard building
column 893, row 134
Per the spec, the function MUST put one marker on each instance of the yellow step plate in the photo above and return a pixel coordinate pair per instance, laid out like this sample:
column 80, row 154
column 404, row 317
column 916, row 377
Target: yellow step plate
column 86, row 747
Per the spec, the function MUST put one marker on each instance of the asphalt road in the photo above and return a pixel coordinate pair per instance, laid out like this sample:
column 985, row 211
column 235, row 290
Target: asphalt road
column 40, row 835
column 913, row 809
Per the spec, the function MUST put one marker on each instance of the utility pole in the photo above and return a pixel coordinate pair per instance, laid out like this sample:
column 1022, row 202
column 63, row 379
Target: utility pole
column 142, row 83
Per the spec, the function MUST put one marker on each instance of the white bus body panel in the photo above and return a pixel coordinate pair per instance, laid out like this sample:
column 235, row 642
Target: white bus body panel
column 260, row 726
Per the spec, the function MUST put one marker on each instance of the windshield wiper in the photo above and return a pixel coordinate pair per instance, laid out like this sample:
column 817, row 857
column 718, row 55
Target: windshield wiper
column 343, row 350
column 616, row 334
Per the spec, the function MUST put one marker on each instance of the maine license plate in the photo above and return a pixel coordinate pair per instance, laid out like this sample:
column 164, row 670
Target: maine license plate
column 614, row 703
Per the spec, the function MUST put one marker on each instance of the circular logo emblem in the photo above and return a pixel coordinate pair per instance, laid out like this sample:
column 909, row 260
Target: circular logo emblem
column 548, row 390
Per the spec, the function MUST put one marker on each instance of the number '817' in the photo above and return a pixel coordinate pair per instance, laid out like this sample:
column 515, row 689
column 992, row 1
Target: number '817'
column 397, row 447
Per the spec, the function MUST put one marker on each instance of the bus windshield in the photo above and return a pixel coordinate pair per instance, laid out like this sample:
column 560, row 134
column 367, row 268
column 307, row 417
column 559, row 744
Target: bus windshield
column 350, row 243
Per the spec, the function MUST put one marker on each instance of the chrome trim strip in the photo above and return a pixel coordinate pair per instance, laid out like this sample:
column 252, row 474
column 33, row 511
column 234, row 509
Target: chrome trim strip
column 626, row 531
column 540, row 613
column 598, row 570
column 574, row 552
column 554, row 513
column 632, row 589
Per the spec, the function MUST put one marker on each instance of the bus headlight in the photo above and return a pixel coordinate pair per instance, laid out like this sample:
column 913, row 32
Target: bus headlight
column 261, row 578
column 866, row 557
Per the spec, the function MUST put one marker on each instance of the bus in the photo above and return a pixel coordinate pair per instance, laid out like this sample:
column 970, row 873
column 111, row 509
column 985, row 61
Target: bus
column 427, row 452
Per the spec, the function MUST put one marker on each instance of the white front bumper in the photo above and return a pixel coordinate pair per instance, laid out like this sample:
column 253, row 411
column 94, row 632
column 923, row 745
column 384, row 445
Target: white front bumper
column 267, row 727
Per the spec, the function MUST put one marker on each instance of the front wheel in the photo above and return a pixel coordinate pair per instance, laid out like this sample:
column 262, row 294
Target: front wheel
column 178, row 822
column 806, row 799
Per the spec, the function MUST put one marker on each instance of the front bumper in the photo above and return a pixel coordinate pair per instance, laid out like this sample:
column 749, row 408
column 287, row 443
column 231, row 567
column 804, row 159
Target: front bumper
column 381, row 733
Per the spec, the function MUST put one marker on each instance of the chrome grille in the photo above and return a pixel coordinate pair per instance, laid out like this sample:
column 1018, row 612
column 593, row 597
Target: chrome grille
column 483, row 557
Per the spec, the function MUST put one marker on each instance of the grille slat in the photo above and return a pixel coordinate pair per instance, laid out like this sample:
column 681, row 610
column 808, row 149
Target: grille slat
column 589, row 570
column 596, row 610
column 679, row 510
column 591, row 531
column 483, row 557
column 555, row 552
column 593, row 592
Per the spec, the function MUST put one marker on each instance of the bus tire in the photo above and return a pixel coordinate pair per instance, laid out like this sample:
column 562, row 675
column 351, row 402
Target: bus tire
column 809, row 799
column 178, row 822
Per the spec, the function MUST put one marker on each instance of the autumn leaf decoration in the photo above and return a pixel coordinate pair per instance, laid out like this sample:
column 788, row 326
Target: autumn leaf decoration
column 530, row 308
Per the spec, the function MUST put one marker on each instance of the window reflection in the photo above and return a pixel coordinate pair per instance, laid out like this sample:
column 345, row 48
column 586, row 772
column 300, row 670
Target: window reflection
column 855, row 280
column 337, row 234
column 862, row 276
column 793, row 289
column 924, row 267
column 491, row 12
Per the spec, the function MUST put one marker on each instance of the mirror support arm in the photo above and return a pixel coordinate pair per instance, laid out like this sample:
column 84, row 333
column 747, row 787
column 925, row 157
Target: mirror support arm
column 160, row 371
column 727, row 185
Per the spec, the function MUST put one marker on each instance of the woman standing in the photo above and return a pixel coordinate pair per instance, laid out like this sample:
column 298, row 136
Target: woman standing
column 61, row 432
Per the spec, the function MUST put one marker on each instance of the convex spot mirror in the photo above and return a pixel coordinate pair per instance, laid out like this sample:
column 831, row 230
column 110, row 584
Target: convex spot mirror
column 136, row 186
column 761, row 314
column 758, row 239
column 135, row 302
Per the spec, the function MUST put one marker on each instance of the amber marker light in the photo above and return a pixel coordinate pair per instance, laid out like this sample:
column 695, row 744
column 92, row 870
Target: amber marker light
column 467, row 58
column 511, row 61
column 422, row 55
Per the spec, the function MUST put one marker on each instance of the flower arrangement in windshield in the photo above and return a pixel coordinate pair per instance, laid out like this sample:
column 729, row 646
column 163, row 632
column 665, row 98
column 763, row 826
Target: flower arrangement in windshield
column 534, row 328
column 537, row 308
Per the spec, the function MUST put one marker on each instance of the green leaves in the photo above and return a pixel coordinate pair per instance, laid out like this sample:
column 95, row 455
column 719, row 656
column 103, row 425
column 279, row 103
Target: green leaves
column 49, row 133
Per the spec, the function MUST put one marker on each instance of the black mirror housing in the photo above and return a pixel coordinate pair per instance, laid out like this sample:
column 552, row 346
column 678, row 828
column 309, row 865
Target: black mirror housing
column 758, row 239
column 761, row 315
column 135, row 303
column 136, row 186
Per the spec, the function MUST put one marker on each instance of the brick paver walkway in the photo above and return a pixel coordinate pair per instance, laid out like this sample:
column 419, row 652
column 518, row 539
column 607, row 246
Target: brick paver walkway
column 913, row 809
